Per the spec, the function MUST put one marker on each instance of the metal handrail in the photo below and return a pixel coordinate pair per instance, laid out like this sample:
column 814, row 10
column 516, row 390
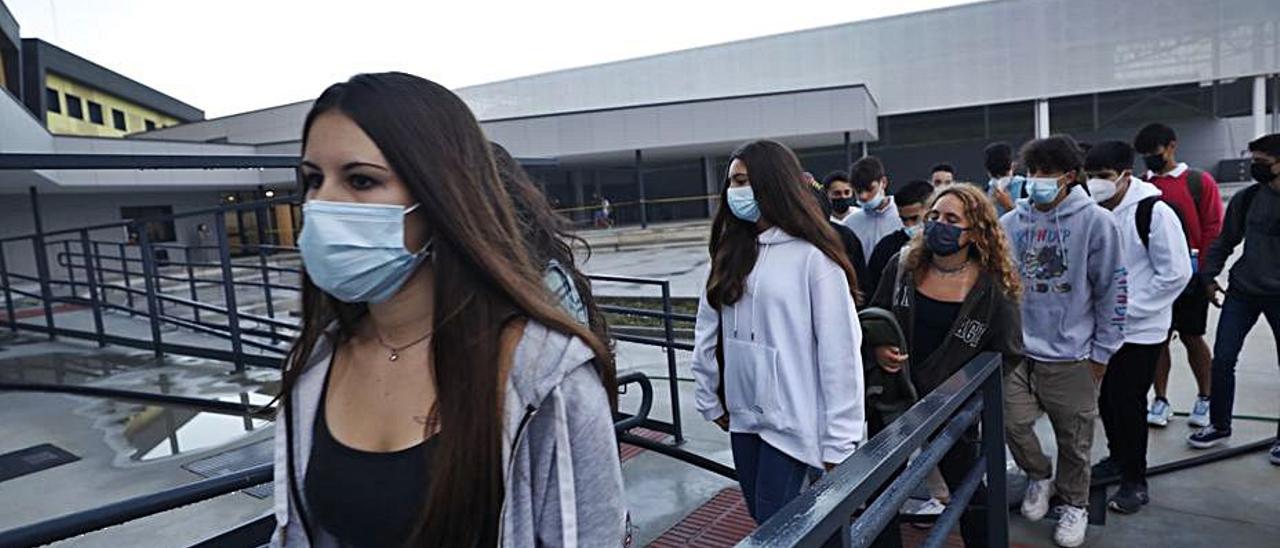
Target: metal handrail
column 825, row 510
column 127, row 510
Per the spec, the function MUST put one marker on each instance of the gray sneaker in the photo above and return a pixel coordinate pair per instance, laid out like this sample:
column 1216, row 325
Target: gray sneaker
column 1200, row 413
column 1160, row 413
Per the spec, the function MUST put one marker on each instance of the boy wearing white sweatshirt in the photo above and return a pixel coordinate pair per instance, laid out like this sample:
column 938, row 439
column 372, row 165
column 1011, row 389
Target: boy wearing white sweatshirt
column 1157, row 261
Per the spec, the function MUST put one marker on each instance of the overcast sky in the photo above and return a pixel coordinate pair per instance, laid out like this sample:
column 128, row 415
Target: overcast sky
column 231, row 56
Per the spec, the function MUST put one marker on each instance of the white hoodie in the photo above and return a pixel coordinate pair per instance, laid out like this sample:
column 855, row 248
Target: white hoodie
column 793, row 370
column 1158, row 273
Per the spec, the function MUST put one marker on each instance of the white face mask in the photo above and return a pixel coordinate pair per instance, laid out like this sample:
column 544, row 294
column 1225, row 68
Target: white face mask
column 1101, row 189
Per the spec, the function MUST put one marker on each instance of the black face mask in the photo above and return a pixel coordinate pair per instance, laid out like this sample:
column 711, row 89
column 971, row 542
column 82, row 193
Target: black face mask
column 1155, row 163
column 842, row 205
column 1262, row 172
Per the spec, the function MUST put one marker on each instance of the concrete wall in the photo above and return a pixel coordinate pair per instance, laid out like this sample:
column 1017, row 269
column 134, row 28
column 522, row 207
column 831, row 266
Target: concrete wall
column 72, row 210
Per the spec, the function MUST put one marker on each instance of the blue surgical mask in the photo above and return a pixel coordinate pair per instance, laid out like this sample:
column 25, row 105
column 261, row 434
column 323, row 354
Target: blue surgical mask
column 872, row 204
column 742, row 203
column 355, row 252
column 1042, row 190
column 912, row 231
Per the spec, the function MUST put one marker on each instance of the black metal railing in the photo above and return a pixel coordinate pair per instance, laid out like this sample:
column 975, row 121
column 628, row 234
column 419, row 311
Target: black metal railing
column 932, row 426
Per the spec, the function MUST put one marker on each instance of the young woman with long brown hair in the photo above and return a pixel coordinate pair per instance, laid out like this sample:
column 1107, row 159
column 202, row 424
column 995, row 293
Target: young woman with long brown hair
column 776, row 342
column 437, row 395
column 954, row 291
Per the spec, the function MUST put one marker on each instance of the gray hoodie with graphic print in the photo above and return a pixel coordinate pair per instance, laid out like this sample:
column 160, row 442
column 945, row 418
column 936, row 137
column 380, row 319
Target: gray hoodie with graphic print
column 1074, row 294
column 563, row 477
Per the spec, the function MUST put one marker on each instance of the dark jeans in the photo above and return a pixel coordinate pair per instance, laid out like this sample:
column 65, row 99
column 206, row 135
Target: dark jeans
column 769, row 478
column 1239, row 313
column 1122, row 403
column 954, row 466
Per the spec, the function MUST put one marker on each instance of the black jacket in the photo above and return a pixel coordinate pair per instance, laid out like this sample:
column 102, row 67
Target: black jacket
column 989, row 321
column 853, row 249
column 1253, row 216
column 888, row 247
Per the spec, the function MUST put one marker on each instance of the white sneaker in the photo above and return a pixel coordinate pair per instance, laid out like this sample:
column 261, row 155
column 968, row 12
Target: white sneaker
column 1160, row 413
column 1035, row 503
column 1200, row 413
column 1071, row 527
column 931, row 507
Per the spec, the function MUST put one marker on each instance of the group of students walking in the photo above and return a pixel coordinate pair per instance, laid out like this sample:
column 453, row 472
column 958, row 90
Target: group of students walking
column 1075, row 270
column 453, row 382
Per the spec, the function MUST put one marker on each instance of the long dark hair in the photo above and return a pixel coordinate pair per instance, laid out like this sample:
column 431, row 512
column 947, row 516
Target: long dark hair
column 548, row 238
column 484, row 280
column 785, row 202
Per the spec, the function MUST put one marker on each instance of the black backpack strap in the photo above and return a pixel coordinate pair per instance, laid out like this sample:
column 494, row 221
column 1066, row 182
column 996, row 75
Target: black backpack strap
column 1143, row 219
column 1195, row 183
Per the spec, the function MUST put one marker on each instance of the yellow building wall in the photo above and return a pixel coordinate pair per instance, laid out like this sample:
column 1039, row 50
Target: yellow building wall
column 3, row 83
column 135, row 115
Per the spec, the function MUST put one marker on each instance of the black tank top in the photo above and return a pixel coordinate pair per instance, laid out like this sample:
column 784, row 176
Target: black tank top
column 933, row 323
column 364, row 498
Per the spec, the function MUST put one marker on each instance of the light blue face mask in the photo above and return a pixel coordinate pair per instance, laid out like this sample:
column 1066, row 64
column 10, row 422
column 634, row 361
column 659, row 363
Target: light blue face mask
column 870, row 206
column 912, row 231
column 1042, row 190
column 355, row 252
column 742, row 203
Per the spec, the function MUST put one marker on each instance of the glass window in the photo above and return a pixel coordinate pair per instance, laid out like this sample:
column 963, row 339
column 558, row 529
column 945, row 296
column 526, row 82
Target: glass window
column 150, row 125
column 75, row 108
column 95, row 113
column 53, row 99
column 117, row 119
column 160, row 231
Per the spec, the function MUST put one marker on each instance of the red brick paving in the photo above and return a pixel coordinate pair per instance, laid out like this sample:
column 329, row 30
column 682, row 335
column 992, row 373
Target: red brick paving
column 723, row 521
column 629, row 452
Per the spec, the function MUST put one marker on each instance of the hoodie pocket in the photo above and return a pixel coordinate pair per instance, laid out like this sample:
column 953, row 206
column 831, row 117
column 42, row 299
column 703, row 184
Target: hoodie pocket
column 752, row 384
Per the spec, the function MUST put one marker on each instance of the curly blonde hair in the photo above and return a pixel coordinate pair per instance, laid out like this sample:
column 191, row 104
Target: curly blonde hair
column 990, row 247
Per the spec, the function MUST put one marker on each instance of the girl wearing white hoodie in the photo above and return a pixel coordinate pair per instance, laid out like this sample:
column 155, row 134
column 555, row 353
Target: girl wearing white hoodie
column 776, row 354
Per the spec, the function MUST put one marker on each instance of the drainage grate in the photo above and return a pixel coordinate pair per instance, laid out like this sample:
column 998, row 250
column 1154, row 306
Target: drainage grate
column 235, row 460
column 33, row 459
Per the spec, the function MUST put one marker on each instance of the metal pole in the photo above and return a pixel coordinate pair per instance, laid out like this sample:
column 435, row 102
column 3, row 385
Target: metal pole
column 644, row 209
column 191, row 279
column 71, row 272
column 42, row 263
column 12, row 316
column 124, row 267
column 993, row 450
column 260, row 216
column 97, row 261
column 91, row 279
column 229, row 290
column 672, row 381
column 148, row 278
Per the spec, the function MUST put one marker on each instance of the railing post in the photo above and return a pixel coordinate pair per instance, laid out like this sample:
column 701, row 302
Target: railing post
column 148, row 277
column 42, row 264
column 91, row 279
column 71, row 271
column 124, row 267
column 993, row 449
column 260, row 220
column 11, row 315
column 672, row 381
column 191, row 281
column 97, row 261
column 229, row 291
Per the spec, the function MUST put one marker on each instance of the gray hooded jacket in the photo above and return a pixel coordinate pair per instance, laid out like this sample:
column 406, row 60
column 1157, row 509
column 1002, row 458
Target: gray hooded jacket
column 562, row 478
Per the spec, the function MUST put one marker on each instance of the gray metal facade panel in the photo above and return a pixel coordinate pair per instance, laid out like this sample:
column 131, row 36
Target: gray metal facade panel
column 991, row 52
column 684, row 124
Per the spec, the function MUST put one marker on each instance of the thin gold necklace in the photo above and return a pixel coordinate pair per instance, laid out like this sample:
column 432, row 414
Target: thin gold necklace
column 394, row 351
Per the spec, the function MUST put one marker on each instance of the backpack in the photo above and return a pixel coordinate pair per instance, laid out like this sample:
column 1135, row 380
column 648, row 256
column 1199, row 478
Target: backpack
column 1148, row 204
column 1195, row 184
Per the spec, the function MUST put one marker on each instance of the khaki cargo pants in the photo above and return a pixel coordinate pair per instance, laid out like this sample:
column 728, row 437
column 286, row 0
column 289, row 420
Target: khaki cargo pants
column 1066, row 392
